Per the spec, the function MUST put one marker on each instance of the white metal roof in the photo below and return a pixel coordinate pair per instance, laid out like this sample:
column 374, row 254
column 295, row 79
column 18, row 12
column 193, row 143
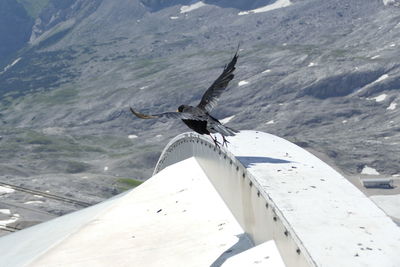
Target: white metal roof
column 337, row 223
column 176, row 218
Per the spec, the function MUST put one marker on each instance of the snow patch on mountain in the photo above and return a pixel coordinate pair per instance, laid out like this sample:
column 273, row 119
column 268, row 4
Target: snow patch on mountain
column 276, row 5
column 10, row 65
column 378, row 98
column 241, row 83
column 14, row 218
column 369, row 171
column 391, row 2
column 380, row 79
column 6, row 190
column 5, row 211
column 33, row 202
column 392, row 106
column 383, row 77
column 186, row 9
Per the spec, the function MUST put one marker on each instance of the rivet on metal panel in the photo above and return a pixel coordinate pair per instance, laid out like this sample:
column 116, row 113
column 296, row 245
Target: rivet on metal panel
column 237, row 168
column 243, row 175
column 266, row 205
column 258, row 193
column 286, row 233
column 275, row 218
column 224, row 156
column 230, row 162
column 251, row 183
column 298, row 251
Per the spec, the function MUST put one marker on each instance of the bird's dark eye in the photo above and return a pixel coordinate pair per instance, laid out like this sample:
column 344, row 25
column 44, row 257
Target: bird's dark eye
column 180, row 109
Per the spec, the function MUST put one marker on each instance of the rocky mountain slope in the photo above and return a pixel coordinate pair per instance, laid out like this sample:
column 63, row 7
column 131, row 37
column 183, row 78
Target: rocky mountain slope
column 324, row 74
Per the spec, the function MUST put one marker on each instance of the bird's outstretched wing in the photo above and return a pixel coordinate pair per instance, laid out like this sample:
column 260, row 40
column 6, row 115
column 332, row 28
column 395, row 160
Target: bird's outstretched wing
column 168, row 115
column 211, row 96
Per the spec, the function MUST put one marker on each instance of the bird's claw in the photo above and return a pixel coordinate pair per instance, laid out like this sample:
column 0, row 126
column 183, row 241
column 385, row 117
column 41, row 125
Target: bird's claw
column 218, row 144
column 224, row 141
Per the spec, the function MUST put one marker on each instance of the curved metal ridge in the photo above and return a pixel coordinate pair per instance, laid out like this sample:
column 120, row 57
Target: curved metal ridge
column 275, row 225
column 277, row 190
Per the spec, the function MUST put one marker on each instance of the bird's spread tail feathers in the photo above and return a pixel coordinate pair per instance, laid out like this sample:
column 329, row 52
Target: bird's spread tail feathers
column 224, row 130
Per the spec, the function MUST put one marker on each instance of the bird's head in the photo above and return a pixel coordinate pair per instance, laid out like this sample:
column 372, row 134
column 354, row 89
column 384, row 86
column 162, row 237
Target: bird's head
column 181, row 108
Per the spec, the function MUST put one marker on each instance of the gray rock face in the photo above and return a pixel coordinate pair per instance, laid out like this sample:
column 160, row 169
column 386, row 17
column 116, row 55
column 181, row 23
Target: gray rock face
column 323, row 74
column 15, row 25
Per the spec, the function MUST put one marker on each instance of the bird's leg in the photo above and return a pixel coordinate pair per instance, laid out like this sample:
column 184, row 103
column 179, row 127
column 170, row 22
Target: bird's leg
column 224, row 141
column 215, row 141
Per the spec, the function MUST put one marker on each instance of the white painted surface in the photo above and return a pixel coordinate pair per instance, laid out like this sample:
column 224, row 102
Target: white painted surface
column 369, row 171
column 270, row 122
column 227, row 119
column 189, row 8
column 312, row 64
column 176, row 218
column 241, row 83
column 329, row 215
column 266, row 71
column 173, row 17
column 132, row 136
column 389, row 203
column 276, row 5
column 265, row 254
column 256, row 214
column 375, row 57
column 333, row 222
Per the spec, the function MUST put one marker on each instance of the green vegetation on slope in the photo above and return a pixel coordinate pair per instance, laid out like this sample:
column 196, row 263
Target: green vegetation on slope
column 128, row 183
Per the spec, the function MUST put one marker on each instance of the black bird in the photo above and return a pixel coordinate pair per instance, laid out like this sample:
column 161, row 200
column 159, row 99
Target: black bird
column 198, row 118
